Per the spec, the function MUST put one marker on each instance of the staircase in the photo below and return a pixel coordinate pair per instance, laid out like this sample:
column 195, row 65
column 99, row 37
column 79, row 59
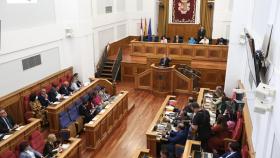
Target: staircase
column 107, row 71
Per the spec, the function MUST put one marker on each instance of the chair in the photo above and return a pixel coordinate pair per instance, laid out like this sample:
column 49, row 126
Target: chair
column 67, row 126
column 28, row 113
column 245, row 151
column 8, row 154
column 236, row 134
column 37, row 141
column 75, row 117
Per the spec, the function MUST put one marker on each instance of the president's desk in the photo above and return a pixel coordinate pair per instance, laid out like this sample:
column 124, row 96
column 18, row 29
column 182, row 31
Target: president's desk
column 53, row 111
column 102, row 125
column 163, row 80
column 18, row 136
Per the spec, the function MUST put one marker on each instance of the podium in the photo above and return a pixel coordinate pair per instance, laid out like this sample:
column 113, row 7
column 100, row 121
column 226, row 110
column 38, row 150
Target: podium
column 163, row 80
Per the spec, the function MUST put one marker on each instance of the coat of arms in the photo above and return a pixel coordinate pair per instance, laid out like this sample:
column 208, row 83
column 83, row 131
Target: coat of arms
column 184, row 6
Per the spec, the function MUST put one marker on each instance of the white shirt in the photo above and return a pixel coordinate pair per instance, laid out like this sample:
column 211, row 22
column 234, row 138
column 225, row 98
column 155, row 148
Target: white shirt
column 163, row 41
column 204, row 41
column 30, row 153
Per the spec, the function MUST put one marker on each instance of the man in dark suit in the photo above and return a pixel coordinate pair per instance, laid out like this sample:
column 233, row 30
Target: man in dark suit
column 65, row 89
column 176, row 137
column 233, row 151
column 201, row 33
column 178, row 39
column 6, row 122
column 54, row 96
column 164, row 61
column 88, row 114
column 43, row 98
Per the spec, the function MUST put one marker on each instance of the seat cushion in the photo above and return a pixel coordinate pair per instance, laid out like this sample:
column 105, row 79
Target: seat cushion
column 236, row 134
column 64, row 120
column 37, row 141
column 8, row 154
column 245, row 151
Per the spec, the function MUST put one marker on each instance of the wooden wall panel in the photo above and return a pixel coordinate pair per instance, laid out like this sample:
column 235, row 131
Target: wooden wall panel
column 189, row 30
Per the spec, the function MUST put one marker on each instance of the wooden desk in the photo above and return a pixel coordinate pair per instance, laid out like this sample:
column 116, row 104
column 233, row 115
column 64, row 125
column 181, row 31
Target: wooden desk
column 189, row 148
column 99, row 130
column 53, row 111
column 19, row 136
column 163, row 81
column 73, row 151
column 201, row 96
column 151, row 134
column 140, row 153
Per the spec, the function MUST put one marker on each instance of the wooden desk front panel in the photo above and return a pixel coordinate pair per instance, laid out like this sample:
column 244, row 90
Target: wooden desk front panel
column 211, row 78
column 187, row 31
column 99, row 131
column 129, row 70
column 162, row 81
column 73, row 151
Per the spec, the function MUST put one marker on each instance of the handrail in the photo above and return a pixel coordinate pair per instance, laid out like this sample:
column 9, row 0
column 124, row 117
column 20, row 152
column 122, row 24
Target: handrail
column 116, row 66
column 101, row 62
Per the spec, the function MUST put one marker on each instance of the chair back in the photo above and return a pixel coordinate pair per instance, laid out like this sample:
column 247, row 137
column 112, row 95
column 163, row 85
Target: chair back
column 37, row 141
column 64, row 119
column 8, row 154
column 73, row 113
column 245, row 151
column 236, row 134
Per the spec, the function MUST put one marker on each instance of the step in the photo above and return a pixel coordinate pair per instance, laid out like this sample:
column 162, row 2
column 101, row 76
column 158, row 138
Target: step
column 109, row 62
column 106, row 74
column 107, row 71
column 108, row 66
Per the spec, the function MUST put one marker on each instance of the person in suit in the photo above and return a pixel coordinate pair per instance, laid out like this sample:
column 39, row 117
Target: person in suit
column 191, row 41
column 51, row 148
column 7, row 123
column 86, row 112
column 53, row 94
column 27, row 152
column 221, row 41
column 164, row 61
column 43, row 98
column 65, row 89
column 163, row 40
column 178, row 137
column 233, row 151
column 187, row 112
column 177, row 39
column 201, row 33
column 38, row 109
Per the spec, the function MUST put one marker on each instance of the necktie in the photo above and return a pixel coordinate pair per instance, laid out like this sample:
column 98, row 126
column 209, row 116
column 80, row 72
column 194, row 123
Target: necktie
column 7, row 123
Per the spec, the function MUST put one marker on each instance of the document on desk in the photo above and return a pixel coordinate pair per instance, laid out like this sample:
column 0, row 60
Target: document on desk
column 55, row 103
column 208, row 95
column 66, row 97
column 95, row 118
column 65, row 146
column 102, row 111
column 108, row 106
column 6, row 136
column 19, row 128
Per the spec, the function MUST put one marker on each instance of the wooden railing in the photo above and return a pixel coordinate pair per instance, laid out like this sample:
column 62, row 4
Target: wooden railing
column 117, row 65
column 181, row 50
column 100, row 65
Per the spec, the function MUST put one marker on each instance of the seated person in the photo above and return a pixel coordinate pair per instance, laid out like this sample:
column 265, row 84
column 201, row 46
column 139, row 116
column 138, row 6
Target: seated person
column 27, row 152
column 6, row 122
column 187, row 112
column 191, row 41
column 43, row 98
column 221, row 41
column 205, row 40
column 164, row 61
column 65, row 89
column 86, row 112
column 102, row 93
column 178, row 137
column 220, row 132
column 178, row 39
column 96, row 102
column 233, row 151
column 53, row 94
column 75, row 83
column 201, row 33
column 38, row 109
column 163, row 39
column 51, row 147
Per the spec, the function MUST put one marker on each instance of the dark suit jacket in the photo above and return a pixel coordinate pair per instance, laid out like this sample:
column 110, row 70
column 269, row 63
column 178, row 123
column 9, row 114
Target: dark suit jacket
column 64, row 90
column 235, row 155
column 48, row 150
column 201, row 34
column 86, row 113
column 164, row 62
column 52, row 95
column 43, row 101
column 178, row 137
column 3, row 126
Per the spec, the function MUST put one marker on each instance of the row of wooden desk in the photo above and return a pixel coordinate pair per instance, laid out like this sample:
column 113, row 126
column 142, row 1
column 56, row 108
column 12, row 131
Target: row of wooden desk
column 53, row 111
column 102, row 125
column 11, row 143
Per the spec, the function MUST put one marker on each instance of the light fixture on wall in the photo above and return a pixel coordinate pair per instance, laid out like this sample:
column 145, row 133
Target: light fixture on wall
column 68, row 32
column 264, row 98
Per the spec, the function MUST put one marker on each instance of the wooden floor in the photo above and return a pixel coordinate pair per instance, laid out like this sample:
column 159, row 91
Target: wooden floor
column 130, row 135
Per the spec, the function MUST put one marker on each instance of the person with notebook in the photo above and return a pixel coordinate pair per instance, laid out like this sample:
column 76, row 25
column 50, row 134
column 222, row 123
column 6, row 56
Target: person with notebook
column 7, row 123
